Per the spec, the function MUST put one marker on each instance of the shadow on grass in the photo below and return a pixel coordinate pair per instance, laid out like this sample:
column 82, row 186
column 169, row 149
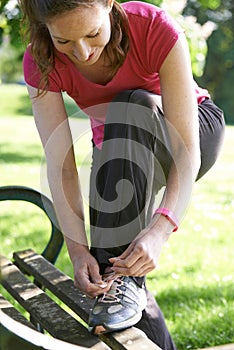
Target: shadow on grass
column 22, row 154
column 201, row 316
column 196, row 296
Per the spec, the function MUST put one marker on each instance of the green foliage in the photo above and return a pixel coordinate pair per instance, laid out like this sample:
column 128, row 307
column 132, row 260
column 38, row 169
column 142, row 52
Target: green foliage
column 11, row 46
column 219, row 72
column 10, row 64
column 10, row 22
column 218, row 75
column 3, row 22
column 211, row 4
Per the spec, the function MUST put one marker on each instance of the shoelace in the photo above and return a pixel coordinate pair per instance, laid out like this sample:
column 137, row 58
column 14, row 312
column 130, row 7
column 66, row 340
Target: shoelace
column 112, row 295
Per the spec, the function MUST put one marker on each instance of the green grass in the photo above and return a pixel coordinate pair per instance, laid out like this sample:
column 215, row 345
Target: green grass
column 193, row 283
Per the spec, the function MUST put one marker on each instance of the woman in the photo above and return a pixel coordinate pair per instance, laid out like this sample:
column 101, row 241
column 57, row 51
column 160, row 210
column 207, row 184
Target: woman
column 128, row 67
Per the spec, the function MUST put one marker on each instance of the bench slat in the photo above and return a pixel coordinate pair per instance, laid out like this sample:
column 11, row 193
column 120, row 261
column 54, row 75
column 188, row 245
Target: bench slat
column 10, row 311
column 54, row 280
column 63, row 287
column 132, row 339
column 55, row 320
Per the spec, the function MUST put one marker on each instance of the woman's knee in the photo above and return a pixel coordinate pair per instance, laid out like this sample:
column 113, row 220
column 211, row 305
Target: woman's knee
column 139, row 108
column 146, row 99
column 212, row 131
column 140, row 97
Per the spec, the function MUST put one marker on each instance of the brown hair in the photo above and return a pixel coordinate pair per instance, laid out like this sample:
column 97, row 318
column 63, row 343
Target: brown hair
column 36, row 13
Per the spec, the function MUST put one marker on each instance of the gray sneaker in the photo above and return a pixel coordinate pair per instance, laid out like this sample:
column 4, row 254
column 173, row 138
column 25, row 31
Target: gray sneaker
column 121, row 307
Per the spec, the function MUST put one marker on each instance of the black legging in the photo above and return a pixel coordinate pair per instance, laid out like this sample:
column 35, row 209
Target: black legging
column 127, row 173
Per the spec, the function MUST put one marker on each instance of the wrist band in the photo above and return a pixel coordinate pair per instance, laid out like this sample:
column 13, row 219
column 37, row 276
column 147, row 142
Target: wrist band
column 169, row 215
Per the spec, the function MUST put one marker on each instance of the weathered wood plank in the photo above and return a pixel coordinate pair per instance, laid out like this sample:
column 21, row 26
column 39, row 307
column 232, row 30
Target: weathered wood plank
column 54, row 280
column 16, row 336
column 9, row 310
column 132, row 339
column 63, row 287
column 55, row 320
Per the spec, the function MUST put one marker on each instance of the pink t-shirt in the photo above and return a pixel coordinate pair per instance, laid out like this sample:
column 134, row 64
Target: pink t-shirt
column 152, row 35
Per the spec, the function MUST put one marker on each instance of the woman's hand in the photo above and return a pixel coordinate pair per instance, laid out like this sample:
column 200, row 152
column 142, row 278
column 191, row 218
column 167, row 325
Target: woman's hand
column 141, row 256
column 86, row 273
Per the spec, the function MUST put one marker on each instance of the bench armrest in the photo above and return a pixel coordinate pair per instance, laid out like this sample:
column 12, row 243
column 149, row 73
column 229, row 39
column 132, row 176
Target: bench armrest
column 30, row 195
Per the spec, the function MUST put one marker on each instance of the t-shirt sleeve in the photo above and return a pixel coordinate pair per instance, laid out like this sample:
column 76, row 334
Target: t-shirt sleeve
column 162, row 35
column 32, row 74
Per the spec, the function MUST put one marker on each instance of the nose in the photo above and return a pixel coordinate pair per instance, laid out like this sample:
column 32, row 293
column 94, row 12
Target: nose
column 81, row 50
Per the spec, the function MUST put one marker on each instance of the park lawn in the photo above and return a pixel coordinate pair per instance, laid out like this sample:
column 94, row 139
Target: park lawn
column 194, row 280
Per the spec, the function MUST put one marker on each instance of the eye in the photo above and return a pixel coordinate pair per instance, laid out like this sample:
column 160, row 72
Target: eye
column 93, row 36
column 62, row 42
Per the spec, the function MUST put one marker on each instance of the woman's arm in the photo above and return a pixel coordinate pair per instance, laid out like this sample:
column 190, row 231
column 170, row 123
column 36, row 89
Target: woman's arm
column 181, row 114
column 53, row 127
column 52, row 124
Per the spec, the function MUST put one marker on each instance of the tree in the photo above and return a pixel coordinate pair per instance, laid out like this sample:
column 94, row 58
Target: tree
column 218, row 75
column 11, row 45
column 10, row 22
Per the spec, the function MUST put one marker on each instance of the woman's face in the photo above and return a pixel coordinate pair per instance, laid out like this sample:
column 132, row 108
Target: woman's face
column 82, row 34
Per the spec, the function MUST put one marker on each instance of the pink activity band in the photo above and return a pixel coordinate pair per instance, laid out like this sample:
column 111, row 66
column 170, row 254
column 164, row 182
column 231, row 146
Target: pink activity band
column 170, row 217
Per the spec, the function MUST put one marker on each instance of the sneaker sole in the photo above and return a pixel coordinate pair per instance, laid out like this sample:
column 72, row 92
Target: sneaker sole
column 120, row 326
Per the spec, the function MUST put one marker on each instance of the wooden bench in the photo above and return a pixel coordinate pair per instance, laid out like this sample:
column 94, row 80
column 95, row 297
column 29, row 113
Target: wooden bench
column 53, row 303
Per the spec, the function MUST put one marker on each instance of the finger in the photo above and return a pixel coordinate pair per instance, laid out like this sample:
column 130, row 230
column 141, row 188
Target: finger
column 144, row 269
column 89, row 287
column 128, row 270
column 92, row 290
column 124, row 255
column 128, row 263
column 144, row 272
column 133, row 258
column 95, row 276
column 137, row 273
column 139, row 269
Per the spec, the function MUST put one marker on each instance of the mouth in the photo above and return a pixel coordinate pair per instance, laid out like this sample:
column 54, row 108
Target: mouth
column 90, row 56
